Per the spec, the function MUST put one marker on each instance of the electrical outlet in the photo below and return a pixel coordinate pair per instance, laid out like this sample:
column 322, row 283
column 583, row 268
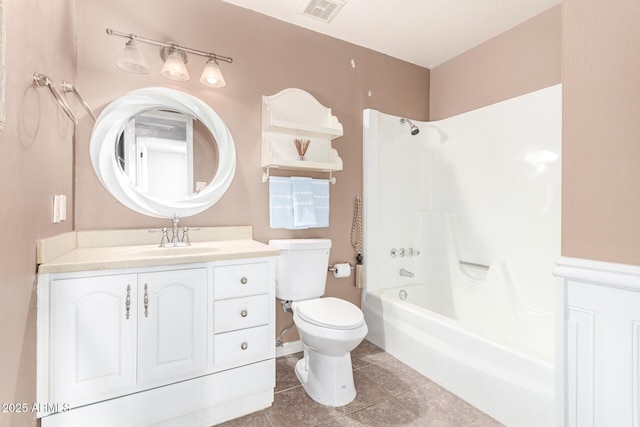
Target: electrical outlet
column 200, row 185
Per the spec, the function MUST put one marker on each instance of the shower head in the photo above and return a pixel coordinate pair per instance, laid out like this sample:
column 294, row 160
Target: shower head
column 414, row 128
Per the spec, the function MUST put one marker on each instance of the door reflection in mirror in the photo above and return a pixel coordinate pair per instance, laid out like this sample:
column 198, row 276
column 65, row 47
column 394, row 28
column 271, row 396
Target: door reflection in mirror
column 155, row 152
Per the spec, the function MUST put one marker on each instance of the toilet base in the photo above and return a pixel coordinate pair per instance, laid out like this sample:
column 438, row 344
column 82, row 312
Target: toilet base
column 327, row 379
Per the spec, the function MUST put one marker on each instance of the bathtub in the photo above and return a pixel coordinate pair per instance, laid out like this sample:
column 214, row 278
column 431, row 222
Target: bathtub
column 516, row 387
column 464, row 217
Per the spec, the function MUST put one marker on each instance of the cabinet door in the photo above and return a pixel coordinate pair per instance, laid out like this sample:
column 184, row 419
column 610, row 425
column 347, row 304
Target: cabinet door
column 172, row 325
column 93, row 338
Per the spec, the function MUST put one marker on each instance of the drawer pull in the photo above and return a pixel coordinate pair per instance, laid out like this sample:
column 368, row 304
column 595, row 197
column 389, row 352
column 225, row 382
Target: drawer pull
column 244, row 345
column 244, row 280
column 244, row 313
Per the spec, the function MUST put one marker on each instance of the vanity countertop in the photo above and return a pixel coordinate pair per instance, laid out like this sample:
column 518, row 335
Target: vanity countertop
column 85, row 251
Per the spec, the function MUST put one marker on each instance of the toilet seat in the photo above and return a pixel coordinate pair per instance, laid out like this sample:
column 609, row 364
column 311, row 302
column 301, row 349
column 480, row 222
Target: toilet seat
column 329, row 312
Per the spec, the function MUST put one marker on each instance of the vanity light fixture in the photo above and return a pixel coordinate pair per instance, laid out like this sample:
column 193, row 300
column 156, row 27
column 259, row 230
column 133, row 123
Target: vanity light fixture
column 174, row 67
column 211, row 75
column 174, row 57
column 132, row 59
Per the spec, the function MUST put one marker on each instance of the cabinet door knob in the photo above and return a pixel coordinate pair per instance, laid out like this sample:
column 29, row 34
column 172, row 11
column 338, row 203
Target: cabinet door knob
column 244, row 280
column 244, row 313
column 244, row 345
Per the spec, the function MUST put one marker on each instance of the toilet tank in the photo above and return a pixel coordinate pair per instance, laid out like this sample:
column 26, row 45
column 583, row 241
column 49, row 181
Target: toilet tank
column 301, row 269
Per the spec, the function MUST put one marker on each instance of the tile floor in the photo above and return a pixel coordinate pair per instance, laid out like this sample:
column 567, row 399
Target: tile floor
column 389, row 394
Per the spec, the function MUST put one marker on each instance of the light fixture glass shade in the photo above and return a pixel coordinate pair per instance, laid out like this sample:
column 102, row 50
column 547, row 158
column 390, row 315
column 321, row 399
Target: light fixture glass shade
column 211, row 75
column 174, row 68
column 132, row 59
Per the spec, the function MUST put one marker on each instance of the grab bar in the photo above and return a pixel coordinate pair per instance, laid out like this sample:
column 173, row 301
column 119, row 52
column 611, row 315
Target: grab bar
column 42, row 80
column 69, row 87
column 474, row 264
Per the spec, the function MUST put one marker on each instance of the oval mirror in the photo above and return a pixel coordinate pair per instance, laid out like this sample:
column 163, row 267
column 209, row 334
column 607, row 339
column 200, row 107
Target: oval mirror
column 163, row 153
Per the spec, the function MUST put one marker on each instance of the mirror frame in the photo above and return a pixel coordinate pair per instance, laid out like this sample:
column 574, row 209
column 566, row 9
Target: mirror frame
column 112, row 122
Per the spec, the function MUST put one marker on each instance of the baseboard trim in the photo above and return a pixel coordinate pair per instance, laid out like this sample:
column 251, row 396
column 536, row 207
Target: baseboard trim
column 289, row 348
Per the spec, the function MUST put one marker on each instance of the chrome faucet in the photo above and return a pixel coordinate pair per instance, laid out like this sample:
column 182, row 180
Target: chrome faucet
column 406, row 273
column 174, row 230
column 175, row 239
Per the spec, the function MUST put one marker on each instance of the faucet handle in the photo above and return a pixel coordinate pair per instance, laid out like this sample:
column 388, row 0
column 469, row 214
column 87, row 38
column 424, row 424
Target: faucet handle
column 185, row 234
column 165, row 235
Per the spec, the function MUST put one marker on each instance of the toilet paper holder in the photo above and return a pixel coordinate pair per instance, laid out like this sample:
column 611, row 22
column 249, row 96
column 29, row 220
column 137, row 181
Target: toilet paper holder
column 333, row 269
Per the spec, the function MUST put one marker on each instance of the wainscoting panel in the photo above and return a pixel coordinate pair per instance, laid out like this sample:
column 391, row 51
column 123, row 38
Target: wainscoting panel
column 598, row 343
column 580, row 367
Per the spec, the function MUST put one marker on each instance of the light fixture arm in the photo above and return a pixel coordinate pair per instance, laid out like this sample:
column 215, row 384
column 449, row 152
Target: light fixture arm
column 169, row 45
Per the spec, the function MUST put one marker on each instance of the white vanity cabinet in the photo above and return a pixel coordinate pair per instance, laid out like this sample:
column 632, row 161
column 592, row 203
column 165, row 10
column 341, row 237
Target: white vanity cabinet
column 118, row 333
column 172, row 325
column 241, row 310
column 93, row 336
column 171, row 344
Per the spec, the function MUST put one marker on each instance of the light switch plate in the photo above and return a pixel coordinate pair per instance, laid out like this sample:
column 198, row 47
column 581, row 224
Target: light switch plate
column 63, row 207
column 56, row 209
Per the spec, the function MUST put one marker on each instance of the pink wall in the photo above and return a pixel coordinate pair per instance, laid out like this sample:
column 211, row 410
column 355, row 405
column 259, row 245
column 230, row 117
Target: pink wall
column 600, row 82
column 269, row 55
column 601, row 132
column 36, row 162
column 518, row 61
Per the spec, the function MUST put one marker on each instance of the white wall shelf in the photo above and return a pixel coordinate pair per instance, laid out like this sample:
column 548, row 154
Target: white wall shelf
column 293, row 113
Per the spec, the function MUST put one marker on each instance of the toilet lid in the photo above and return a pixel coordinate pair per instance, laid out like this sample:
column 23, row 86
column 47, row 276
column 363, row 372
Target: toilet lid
column 330, row 312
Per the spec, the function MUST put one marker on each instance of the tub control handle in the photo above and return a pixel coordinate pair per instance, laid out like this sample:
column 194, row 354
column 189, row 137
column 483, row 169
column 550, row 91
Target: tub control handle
column 244, row 345
column 244, row 280
column 244, row 313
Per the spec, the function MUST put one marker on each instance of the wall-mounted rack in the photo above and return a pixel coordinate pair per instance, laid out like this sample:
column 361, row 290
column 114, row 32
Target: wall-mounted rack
column 40, row 80
column 68, row 87
column 266, row 174
column 295, row 114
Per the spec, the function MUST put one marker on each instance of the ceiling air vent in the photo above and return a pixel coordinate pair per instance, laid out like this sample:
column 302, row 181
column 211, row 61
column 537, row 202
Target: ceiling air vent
column 323, row 10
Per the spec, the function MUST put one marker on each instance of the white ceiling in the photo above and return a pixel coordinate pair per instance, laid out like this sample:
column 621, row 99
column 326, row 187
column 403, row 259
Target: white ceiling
column 423, row 32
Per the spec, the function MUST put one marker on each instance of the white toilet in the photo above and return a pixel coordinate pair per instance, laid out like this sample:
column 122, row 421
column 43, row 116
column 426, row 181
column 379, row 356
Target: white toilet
column 329, row 327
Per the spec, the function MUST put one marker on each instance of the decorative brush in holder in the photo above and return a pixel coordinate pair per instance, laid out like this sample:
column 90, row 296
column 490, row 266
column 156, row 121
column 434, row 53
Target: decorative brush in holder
column 302, row 145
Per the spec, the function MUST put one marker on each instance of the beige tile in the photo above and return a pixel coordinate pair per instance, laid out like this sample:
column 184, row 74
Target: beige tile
column 294, row 408
column 335, row 422
column 386, row 413
column 438, row 407
column 257, row 419
column 485, row 421
column 367, row 393
column 366, row 354
column 286, row 372
column 394, row 377
column 418, row 401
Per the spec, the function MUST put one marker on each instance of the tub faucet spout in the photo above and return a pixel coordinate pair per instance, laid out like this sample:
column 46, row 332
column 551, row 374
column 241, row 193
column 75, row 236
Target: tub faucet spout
column 406, row 273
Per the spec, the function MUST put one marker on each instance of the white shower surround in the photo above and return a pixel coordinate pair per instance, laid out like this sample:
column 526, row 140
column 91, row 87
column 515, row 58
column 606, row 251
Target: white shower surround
column 481, row 187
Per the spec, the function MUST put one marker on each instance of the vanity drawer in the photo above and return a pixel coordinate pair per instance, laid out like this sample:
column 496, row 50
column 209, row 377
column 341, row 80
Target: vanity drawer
column 240, row 313
column 240, row 280
column 241, row 347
